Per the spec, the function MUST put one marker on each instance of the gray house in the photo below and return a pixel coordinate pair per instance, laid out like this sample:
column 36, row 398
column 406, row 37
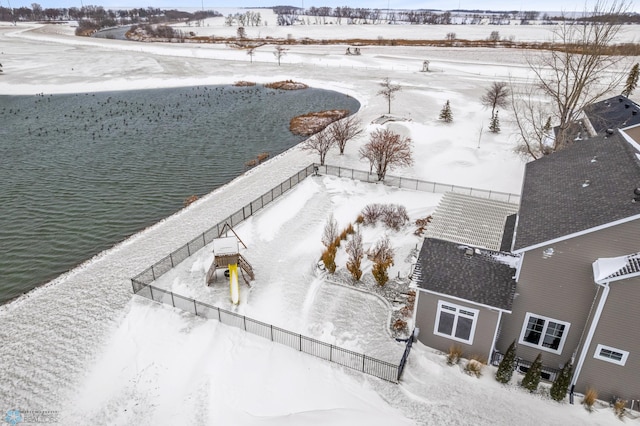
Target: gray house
column 577, row 291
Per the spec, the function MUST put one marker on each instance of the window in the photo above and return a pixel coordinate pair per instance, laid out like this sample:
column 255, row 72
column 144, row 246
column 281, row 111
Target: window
column 544, row 333
column 455, row 322
column 609, row 354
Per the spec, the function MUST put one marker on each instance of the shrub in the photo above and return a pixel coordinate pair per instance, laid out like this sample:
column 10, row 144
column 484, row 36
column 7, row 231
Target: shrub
column 343, row 234
column 454, row 355
column 474, row 366
column 263, row 156
column 619, row 408
column 371, row 213
column 561, row 383
column 349, row 229
column 251, row 163
column 589, row 399
column 532, row 377
column 330, row 231
column 399, row 325
column 421, row 225
column 382, row 255
column 329, row 258
column 360, row 219
column 395, row 216
column 337, row 241
column 355, row 251
column 507, row 365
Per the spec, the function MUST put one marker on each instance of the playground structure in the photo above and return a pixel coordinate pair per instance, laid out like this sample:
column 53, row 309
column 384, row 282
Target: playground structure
column 226, row 254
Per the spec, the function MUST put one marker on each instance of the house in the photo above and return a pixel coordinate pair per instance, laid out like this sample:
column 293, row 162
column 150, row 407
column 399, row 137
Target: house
column 577, row 280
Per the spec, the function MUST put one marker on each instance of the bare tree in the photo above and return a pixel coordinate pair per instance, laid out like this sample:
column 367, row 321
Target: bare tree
column 388, row 91
column 321, row 143
column 532, row 117
column 330, row 231
column 496, row 96
column 580, row 70
column 279, row 52
column 344, row 130
column 355, row 250
column 387, row 150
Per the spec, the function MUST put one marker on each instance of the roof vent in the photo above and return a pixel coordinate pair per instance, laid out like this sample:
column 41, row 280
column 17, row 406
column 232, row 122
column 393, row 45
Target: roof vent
column 627, row 105
column 594, row 159
column 636, row 192
column 634, row 112
column 548, row 252
column 468, row 251
column 620, row 99
column 609, row 131
column 586, row 183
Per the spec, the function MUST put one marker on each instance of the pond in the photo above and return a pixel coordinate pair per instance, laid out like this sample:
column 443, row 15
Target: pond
column 81, row 172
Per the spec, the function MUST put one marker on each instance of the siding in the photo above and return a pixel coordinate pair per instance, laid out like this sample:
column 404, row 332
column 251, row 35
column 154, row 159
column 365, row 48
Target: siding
column 617, row 328
column 561, row 287
column 485, row 326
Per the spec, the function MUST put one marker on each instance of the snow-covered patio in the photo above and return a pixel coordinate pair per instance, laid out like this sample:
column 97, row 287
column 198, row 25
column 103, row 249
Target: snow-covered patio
column 82, row 345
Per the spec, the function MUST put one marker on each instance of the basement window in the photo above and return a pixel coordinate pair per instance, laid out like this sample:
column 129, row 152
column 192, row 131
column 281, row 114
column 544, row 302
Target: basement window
column 609, row 354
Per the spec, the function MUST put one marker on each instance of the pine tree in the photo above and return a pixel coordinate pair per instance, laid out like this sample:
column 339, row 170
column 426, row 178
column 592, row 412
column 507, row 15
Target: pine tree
column 445, row 113
column 507, row 365
column 532, row 378
column 562, row 382
column 632, row 80
column 494, row 126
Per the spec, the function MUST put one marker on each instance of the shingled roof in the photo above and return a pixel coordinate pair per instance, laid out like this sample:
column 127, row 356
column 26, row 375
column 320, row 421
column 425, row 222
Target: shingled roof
column 613, row 113
column 587, row 185
column 445, row 267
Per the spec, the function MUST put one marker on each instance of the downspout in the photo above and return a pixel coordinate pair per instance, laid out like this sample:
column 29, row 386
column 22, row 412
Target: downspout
column 495, row 336
column 592, row 330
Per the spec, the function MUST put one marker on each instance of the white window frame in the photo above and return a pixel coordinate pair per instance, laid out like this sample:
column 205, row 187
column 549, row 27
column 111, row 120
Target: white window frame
column 458, row 311
column 543, row 333
column 598, row 354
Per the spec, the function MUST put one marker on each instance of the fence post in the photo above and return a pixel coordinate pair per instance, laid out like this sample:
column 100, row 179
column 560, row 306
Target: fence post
column 171, row 257
column 204, row 242
column 153, row 273
column 189, row 249
column 151, row 292
column 219, row 318
column 300, row 341
column 244, row 319
column 195, row 307
column 173, row 302
column 331, row 353
column 363, row 357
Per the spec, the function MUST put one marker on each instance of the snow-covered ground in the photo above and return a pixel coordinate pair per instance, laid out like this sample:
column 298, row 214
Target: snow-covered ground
column 83, row 346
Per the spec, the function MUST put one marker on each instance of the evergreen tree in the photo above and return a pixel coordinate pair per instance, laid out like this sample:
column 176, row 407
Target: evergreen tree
column 532, row 378
column 562, row 382
column 445, row 113
column 632, row 81
column 494, row 126
column 507, row 365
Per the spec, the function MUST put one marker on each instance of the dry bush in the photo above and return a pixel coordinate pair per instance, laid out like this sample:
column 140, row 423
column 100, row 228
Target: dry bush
column 371, row 213
column 407, row 311
column 262, row 156
column 329, row 258
column 395, row 216
column 399, row 325
column 360, row 219
column 454, row 355
column 344, row 234
column 474, row 366
column 330, row 231
column 411, row 296
column 243, row 83
column 619, row 408
column 337, row 241
column 190, row 200
column 251, row 163
column 421, row 225
column 350, row 229
column 589, row 399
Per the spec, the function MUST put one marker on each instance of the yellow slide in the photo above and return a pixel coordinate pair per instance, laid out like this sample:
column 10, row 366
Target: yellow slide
column 233, row 284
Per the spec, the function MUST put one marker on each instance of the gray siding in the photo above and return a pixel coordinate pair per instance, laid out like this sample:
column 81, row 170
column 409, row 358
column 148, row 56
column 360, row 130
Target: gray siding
column 561, row 286
column 617, row 328
column 487, row 321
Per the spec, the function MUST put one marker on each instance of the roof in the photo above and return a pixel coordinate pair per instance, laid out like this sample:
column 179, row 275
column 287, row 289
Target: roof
column 616, row 268
column 613, row 113
column 587, row 185
column 462, row 218
column 483, row 278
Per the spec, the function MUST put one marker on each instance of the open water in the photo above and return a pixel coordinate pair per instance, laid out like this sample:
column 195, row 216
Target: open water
column 81, row 172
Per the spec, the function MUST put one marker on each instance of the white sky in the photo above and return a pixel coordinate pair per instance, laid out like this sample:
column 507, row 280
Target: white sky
column 542, row 5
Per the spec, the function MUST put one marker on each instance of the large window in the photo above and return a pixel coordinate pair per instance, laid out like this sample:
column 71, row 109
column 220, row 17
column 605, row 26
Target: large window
column 544, row 333
column 609, row 354
column 456, row 322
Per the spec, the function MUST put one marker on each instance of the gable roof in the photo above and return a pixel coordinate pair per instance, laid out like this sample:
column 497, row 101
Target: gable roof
column 483, row 278
column 587, row 185
column 616, row 268
column 612, row 113
column 466, row 219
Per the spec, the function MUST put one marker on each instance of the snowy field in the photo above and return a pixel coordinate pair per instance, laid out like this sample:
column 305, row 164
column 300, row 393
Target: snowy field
column 84, row 347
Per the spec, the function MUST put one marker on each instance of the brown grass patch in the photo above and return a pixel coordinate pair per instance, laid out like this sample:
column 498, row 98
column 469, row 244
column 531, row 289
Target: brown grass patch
column 243, row 83
column 286, row 85
column 314, row 122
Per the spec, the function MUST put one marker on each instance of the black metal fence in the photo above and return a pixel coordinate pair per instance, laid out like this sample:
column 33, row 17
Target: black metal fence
column 141, row 283
column 418, row 185
column 354, row 360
